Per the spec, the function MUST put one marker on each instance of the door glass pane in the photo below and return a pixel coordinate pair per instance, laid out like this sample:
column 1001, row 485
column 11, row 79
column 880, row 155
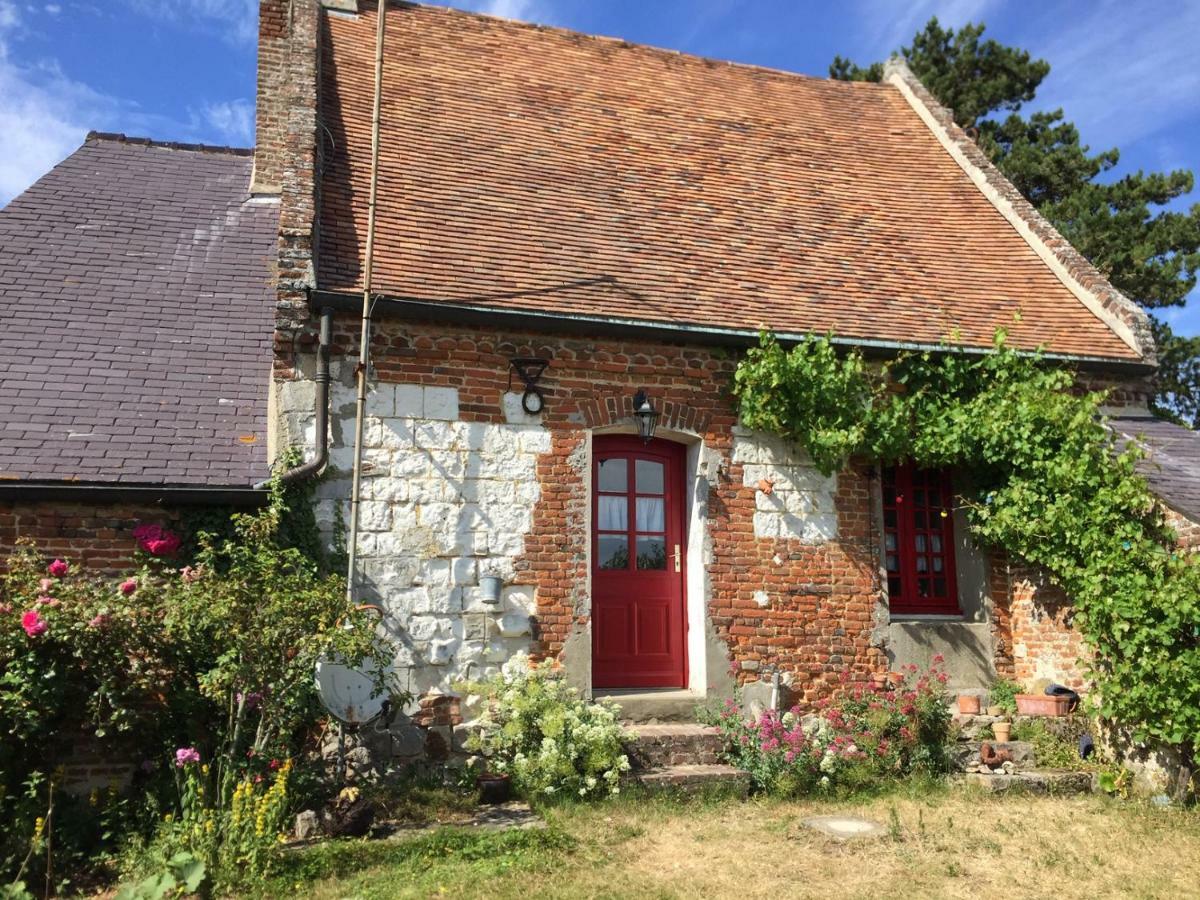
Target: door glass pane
column 894, row 586
column 937, row 564
column 613, row 551
column 614, row 475
column 939, row 587
column 893, row 564
column 920, row 539
column 651, row 553
column 921, row 564
column 889, row 540
column 649, row 475
column 650, row 514
column 612, row 513
column 936, row 542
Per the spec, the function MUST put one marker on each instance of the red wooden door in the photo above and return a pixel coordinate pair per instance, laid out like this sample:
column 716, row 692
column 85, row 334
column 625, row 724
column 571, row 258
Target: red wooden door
column 637, row 564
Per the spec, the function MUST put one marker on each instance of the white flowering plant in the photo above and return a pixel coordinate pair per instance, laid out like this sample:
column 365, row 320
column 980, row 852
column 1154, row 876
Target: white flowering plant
column 551, row 742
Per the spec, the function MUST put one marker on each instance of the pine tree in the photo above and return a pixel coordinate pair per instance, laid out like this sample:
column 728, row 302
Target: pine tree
column 1150, row 254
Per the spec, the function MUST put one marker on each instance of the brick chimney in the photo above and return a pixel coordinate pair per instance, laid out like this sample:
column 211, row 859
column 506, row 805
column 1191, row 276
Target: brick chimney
column 286, row 108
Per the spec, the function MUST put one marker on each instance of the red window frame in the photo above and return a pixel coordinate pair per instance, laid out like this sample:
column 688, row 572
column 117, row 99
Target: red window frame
column 918, row 529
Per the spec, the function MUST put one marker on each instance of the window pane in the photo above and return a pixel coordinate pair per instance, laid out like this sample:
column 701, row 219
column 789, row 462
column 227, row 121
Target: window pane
column 893, row 586
column 893, row 565
column 935, row 541
column 889, row 518
column 649, row 475
column 920, row 543
column 889, row 541
column 919, row 497
column 935, row 497
column 939, row 587
column 612, row 513
column 614, row 475
column 919, row 519
column 937, row 564
column 921, row 564
column 613, row 551
column 651, row 553
column 650, row 514
column 923, row 587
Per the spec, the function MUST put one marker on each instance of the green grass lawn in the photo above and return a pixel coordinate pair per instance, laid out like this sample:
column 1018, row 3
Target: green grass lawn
column 941, row 843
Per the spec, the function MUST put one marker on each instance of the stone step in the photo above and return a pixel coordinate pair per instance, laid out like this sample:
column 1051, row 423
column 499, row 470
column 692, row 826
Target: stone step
column 966, row 754
column 692, row 779
column 1034, row 781
column 672, row 744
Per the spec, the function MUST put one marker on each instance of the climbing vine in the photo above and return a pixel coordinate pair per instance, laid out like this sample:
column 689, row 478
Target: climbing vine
column 1045, row 479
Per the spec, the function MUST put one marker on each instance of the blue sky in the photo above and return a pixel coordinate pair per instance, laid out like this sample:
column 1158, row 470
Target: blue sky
column 1126, row 73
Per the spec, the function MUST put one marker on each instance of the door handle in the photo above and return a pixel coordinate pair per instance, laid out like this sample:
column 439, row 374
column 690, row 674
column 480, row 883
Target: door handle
column 678, row 560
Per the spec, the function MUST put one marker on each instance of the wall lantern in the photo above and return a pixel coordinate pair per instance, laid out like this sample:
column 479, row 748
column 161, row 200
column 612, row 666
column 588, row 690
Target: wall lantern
column 646, row 414
column 529, row 369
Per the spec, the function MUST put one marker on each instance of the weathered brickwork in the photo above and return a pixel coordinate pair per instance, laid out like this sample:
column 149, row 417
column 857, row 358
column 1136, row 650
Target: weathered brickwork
column 460, row 483
column 97, row 536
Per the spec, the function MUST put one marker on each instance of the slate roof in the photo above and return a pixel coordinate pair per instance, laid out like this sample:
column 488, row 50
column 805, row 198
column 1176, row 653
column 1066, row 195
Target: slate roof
column 532, row 168
column 1173, row 465
column 137, row 315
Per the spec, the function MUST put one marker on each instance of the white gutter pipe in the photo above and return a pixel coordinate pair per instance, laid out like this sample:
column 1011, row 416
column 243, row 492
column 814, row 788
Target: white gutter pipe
column 364, row 341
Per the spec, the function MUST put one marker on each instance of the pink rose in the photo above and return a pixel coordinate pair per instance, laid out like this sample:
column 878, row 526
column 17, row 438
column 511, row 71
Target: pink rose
column 156, row 540
column 189, row 574
column 185, row 755
column 58, row 568
column 98, row 621
column 128, row 586
column 33, row 623
column 45, row 585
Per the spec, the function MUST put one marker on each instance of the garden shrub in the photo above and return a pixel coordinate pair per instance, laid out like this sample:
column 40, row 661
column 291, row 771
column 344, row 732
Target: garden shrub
column 213, row 659
column 862, row 739
column 549, row 740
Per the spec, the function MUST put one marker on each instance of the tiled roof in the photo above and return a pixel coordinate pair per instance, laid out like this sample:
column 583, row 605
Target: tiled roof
column 538, row 169
column 1172, row 466
column 136, row 302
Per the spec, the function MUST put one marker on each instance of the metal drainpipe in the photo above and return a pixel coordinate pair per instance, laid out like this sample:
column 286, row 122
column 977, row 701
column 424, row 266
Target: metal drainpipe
column 314, row 465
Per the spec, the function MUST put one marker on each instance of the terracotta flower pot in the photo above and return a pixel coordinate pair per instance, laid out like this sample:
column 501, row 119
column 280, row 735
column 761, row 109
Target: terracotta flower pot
column 493, row 788
column 1042, row 705
column 1002, row 731
column 879, row 679
column 968, row 704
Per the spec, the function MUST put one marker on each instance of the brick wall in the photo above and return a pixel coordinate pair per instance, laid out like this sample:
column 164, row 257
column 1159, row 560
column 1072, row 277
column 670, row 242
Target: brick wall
column 459, row 481
column 97, row 536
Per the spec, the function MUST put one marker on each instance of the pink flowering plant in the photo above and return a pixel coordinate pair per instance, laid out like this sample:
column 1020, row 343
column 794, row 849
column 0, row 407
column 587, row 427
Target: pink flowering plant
column 170, row 665
column 865, row 736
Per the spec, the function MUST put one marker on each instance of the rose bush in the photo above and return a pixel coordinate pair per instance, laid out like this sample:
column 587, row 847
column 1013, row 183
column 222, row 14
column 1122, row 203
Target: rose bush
column 214, row 660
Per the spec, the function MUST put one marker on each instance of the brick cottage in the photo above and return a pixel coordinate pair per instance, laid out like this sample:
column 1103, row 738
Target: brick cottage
column 574, row 230
column 629, row 218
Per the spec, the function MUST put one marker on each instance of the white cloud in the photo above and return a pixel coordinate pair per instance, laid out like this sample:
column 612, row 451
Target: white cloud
column 1122, row 72
column 43, row 117
column 237, row 20
column 234, row 119
column 890, row 24
column 42, row 113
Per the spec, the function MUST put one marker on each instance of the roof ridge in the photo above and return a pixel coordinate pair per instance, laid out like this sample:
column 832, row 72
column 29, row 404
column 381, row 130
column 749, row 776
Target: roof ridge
column 1090, row 287
column 120, row 138
column 452, row 11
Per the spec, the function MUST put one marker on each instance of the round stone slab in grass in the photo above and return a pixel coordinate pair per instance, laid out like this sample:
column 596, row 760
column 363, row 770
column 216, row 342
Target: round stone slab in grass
column 845, row 828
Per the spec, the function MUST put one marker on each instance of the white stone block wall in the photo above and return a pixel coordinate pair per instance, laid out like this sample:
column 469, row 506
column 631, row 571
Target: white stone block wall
column 444, row 502
column 801, row 503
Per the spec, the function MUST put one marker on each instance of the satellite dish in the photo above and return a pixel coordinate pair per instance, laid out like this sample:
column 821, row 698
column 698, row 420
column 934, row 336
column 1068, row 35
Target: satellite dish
column 350, row 694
